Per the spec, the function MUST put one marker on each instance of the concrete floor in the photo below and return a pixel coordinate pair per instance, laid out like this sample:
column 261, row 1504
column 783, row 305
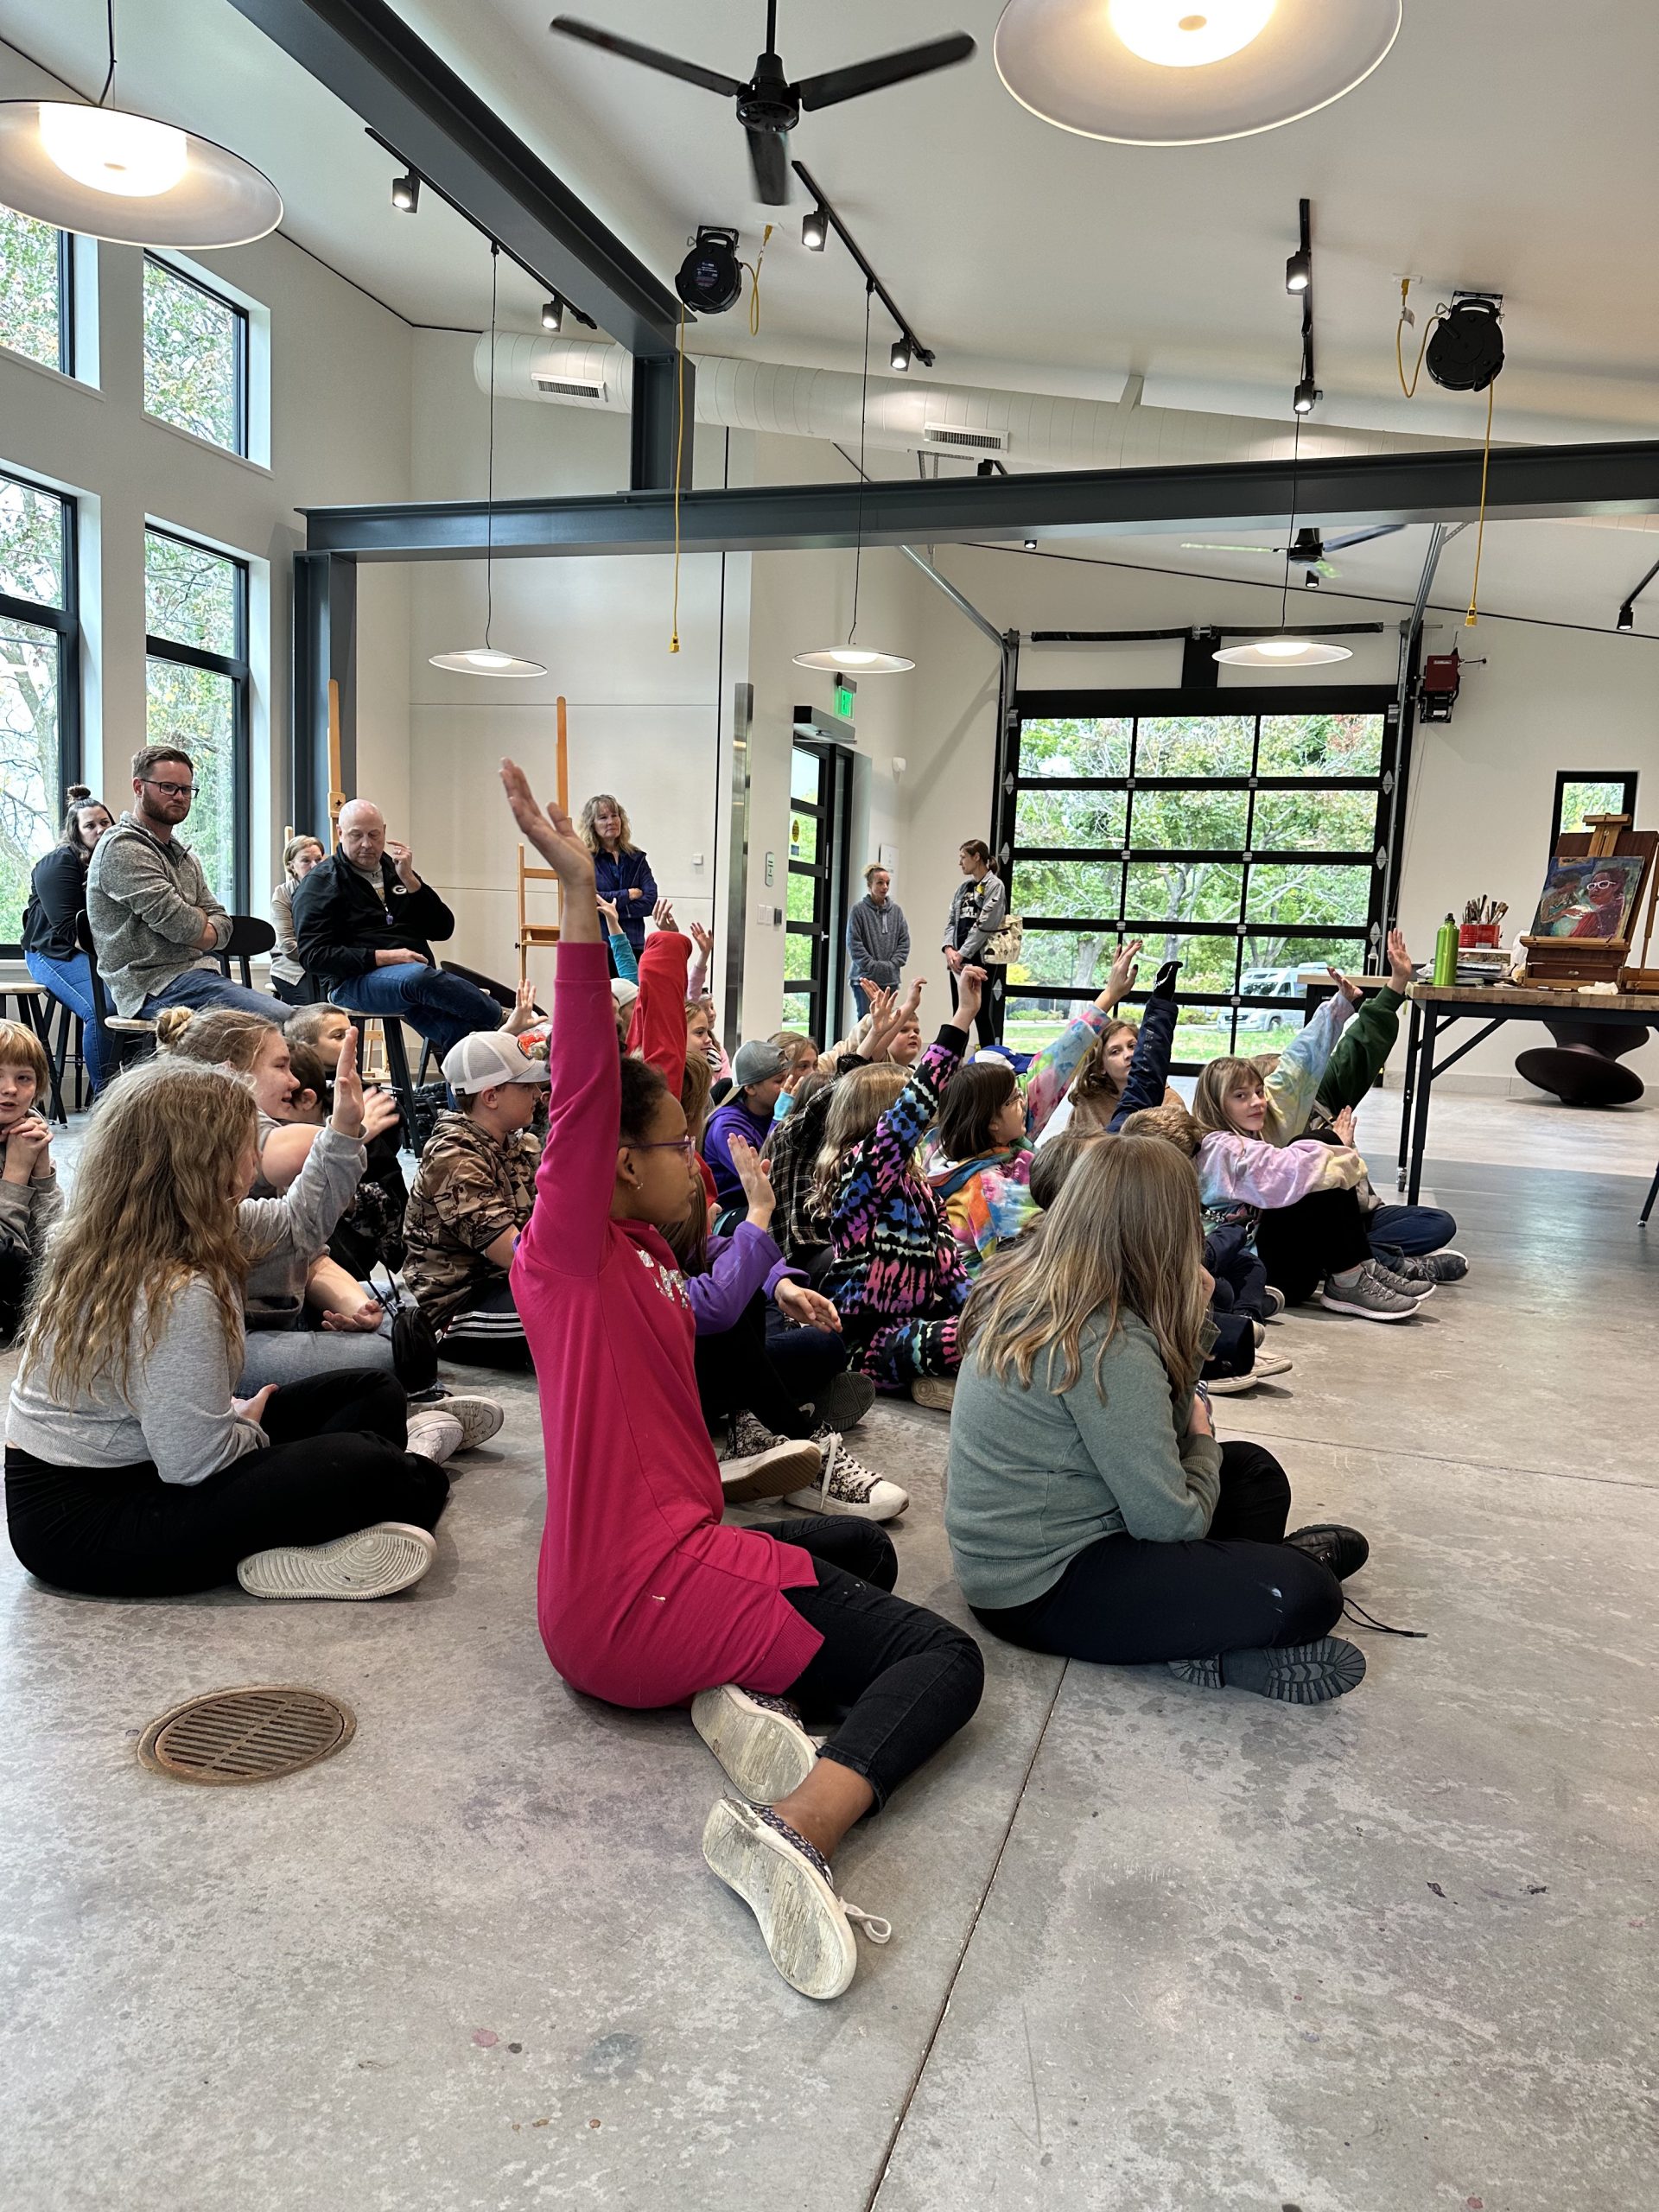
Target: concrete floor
column 1154, row 1951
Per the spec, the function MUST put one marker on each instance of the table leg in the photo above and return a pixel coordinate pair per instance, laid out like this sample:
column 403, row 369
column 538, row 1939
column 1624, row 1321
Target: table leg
column 1413, row 1033
column 1423, row 1083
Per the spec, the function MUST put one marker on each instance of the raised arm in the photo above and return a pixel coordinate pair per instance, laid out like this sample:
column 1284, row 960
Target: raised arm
column 1294, row 1083
column 304, row 1219
column 656, row 1027
column 896, row 1135
column 1049, row 1076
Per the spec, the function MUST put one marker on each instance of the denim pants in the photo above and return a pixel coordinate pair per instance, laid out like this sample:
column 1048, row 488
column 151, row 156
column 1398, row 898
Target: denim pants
column 442, row 1009
column 70, row 982
column 901, row 1681
column 1415, row 1230
column 204, row 987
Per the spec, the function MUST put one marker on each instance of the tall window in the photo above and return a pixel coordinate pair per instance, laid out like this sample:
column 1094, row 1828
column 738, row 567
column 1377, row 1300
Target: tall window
column 1578, row 792
column 820, row 788
column 36, row 311
column 195, row 356
column 196, row 613
column 39, row 725
column 1246, row 844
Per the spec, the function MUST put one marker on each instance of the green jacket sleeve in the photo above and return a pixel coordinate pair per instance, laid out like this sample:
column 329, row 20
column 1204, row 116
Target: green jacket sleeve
column 1361, row 1050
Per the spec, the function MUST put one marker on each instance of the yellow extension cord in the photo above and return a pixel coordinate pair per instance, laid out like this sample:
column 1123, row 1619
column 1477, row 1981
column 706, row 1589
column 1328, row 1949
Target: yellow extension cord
column 1472, row 618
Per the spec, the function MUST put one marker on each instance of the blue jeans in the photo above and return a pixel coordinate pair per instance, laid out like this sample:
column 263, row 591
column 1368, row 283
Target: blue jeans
column 203, row 987
column 1415, row 1230
column 442, row 1009
column 70, row 982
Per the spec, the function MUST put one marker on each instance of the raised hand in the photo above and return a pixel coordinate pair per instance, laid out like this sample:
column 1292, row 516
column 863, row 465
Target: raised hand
column 1402, row 968
column 1344, row 1125
column 1120, row 978
column 608, row 907
column 755, row 1176
column 888, row 1016
column 971, row 990
column 346, row 1120
column 404, row 860
column 663, row 914
column 703, row 939
column 1346, row 985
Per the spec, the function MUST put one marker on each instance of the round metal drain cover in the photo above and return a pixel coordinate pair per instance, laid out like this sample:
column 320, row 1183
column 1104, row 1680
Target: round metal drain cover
column 253, row 1735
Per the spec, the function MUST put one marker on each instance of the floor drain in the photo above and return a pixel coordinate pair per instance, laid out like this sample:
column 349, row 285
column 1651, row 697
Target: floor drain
column 254, row 1735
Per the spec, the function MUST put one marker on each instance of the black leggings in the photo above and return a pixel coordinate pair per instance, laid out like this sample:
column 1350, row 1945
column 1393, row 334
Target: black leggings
column 900, row 1680
column 1323, row 1234
column 1127, row 1603
column 336, row 1463
column 749, row 1368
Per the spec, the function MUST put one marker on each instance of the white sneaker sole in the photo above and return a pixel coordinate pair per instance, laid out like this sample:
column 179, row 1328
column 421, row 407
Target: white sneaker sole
column 765, row 1755
column 1229, row 1386
column 1364, row 1313
column 939, row 1391
column 805, row 1928
column 813, row 1500
column 770, row 1473
column 479, row 1418
column 375, row 1562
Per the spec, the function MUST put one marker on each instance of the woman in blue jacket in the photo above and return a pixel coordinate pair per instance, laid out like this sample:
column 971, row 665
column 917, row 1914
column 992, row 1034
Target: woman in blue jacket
column 621, row 871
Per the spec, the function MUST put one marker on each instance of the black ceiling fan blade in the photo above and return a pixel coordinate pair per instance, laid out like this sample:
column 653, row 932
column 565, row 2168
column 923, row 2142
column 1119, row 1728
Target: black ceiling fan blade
column 669, row 65
column 861, row 77
column 1362, row 537
column 769, row 159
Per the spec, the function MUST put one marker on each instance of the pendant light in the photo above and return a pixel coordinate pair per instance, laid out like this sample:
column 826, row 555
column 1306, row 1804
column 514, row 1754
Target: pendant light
column 488, row 659
column 1184, row 72
column 852, row 660
column 105, row 174
column 1283, row 648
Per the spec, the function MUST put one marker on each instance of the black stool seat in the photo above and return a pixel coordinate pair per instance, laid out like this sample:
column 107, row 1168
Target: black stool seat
column 1579, row 1076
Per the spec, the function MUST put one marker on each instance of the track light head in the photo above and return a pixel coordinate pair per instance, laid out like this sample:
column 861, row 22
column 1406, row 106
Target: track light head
column 1311, row 580
column 406, row 193
column 900, row 357
column 1305, row 396
column 1627, row 618
column 553, row 314
column 815, row 230
column 1299, row 272
column 1030, row 545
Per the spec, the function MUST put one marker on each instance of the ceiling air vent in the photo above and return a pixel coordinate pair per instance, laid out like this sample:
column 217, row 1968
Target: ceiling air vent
column 569, row 388
column 941, row 434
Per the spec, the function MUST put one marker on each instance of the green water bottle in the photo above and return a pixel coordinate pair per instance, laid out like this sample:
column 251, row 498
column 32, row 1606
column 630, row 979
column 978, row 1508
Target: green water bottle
column 1445, row 953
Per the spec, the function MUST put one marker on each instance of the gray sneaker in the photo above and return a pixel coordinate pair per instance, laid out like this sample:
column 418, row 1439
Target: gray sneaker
column 1408, row 1286
column 1429, row 1266
column 1367, row 1298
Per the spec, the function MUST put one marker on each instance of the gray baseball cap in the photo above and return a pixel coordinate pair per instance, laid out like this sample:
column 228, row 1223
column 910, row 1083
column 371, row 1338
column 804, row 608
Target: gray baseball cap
column 757, row 1062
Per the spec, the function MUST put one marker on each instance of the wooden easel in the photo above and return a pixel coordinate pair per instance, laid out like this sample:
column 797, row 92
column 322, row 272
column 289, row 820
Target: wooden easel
column 545, row 933
column 1557, row 963
column 336, row 792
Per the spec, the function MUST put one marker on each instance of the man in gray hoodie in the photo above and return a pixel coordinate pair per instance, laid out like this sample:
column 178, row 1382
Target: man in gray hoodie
column 877, row 936
column 154, row 922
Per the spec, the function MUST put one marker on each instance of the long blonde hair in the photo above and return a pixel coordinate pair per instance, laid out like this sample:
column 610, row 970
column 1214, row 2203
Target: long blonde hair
column 1124, row 1234
column 1209, row 1092
column 861, row 1098
column 590, row 835
column 153, row 1206
column 1095, row 1092
column 219, row 1037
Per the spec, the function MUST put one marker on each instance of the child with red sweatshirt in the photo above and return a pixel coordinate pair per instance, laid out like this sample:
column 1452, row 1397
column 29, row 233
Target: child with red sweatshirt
column 644, row 1597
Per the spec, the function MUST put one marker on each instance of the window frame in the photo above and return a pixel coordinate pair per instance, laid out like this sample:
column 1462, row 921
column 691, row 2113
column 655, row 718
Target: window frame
column 1252, row 702
column 240, row 323
column 1626, row 776
column 65, row 363
column 65, row 622
column 825, row 989
column 240, row 670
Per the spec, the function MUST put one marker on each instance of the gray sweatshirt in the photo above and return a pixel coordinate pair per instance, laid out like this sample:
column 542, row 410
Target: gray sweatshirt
column 877, row 939
column 1038, row 1475
column 177, row 1410
column 145, row 900
column 27, row 1212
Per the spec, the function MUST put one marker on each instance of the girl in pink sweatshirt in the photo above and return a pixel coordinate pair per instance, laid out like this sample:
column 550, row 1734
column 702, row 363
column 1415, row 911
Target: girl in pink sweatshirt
column 644, row 1596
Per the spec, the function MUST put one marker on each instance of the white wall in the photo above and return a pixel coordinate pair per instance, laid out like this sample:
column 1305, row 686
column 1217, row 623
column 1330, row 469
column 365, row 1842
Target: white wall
column 340, row 431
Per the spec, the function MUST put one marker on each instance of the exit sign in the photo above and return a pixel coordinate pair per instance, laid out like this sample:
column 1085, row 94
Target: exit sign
column 846, row 696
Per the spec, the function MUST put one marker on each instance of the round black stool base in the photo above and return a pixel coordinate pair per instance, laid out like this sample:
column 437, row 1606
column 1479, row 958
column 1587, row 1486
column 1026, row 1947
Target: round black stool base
column 1579, row 1077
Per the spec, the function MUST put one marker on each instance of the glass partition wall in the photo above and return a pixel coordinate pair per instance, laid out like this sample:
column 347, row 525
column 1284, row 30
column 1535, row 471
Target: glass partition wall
column 1241, row 833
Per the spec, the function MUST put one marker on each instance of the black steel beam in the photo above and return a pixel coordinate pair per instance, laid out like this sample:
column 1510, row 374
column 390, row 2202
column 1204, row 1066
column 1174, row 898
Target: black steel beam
column 1526, row 482
column 370, row 59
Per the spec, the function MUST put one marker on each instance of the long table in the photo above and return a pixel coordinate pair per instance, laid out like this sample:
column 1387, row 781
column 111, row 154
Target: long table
column 1435, row 1007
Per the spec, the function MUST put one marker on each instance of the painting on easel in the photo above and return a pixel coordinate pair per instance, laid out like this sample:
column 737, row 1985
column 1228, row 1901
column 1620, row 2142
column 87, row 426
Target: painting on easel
column 1589, row 898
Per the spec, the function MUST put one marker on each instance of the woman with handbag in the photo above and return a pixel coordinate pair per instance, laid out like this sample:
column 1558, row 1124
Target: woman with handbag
column 979, row 933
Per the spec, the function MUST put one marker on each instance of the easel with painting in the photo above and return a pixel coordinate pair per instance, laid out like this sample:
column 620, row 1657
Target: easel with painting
column 1588, row 912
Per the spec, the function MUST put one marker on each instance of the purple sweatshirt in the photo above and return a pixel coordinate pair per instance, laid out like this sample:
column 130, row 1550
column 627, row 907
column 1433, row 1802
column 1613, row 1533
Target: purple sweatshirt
column 732, row 1118
column 738, row 1265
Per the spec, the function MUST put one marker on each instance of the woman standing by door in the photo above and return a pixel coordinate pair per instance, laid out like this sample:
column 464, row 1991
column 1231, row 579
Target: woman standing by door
column 621, row 872
column 57, row 894
column 977, row 913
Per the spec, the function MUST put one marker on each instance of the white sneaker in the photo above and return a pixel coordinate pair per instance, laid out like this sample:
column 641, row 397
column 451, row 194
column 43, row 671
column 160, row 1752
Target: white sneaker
column 1229, row 1386
column 434, row 1433
column 1269, row 1363
column 755, row 1464
column 373, row 1562
column 788, row 1887
column 845, row 1485
column 758, row 1740
column 939, row 1391
column 480, row 1419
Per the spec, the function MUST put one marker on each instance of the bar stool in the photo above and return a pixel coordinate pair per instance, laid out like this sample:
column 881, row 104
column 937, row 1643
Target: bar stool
column 249, row 934
column 392, row 1033
column 33, row 1005
column 132, row 1037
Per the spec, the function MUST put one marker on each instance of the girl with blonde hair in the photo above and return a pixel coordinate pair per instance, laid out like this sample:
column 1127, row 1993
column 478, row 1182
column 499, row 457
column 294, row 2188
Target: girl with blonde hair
column 622, row 876
column 131, row 1470
column 1090, row 1511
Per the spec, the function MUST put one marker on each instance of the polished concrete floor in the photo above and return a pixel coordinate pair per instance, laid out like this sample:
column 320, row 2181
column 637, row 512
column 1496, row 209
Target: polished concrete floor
column 1154, row 1951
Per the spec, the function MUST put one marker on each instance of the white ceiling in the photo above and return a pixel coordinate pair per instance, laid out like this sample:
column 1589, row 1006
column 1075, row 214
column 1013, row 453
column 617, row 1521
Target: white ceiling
column 1502, row 145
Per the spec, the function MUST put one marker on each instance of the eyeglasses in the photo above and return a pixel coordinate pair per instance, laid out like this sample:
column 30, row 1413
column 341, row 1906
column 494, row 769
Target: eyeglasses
column 169, row 791
column 684, row 1146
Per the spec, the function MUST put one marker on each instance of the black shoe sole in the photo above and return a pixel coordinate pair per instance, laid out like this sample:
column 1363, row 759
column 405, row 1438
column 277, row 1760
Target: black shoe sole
column 1296, row 1674
column 1345, row 1551
column 843, row 1402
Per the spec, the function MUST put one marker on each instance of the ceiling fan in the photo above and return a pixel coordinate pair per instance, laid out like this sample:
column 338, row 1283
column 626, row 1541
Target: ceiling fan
column 769, row 106
column 1308, row 549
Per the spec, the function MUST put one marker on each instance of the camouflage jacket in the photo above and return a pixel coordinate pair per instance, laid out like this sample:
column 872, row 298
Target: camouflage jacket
column 468, row 1187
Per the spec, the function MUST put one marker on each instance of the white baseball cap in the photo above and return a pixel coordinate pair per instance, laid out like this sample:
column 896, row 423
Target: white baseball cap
column 489, row 1056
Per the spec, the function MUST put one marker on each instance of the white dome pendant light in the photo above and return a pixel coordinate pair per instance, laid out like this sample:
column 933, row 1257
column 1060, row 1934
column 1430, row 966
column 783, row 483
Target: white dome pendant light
column 105, row 174
column 853, row 659
column 1185, row 73
column 1282, row 648
column 488, row 659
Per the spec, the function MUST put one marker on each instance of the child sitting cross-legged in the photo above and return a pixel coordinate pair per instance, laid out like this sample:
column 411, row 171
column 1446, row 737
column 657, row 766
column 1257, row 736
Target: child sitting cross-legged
column 646, row 1597
column 131, row 1470
column 1091, row 1513
column 30, row 1200
column 472, row 1193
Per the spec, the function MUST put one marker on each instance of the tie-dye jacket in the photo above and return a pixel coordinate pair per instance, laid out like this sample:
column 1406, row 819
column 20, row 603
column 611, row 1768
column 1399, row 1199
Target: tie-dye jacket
column 895, row 1256
column 1294, row 1083
column 1240, row 1179
column 987, row 1202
